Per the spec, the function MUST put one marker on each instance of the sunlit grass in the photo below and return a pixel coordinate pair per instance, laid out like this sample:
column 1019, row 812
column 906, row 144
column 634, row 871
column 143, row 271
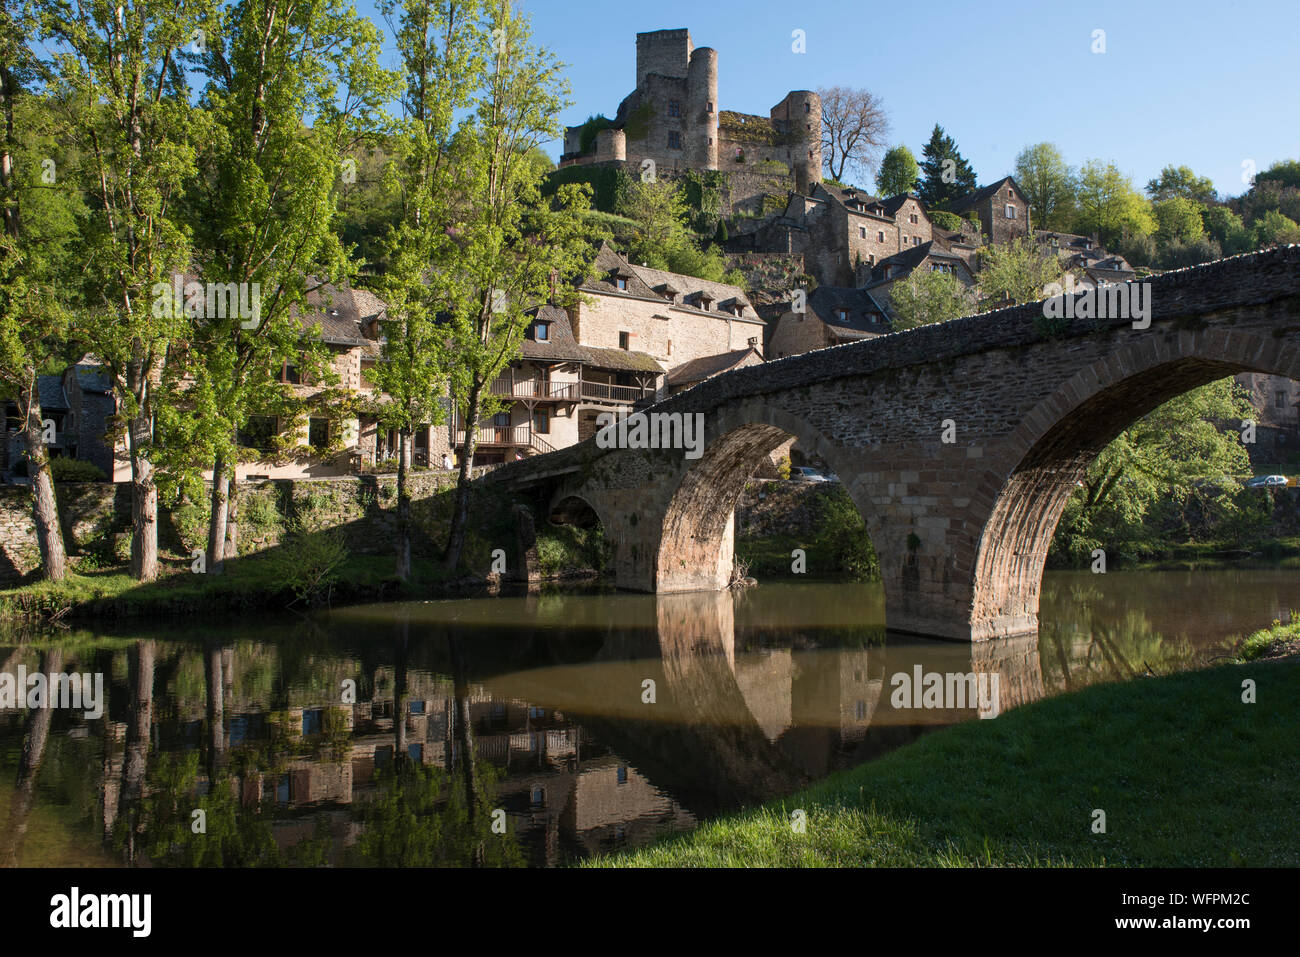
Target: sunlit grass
column 1187, row 774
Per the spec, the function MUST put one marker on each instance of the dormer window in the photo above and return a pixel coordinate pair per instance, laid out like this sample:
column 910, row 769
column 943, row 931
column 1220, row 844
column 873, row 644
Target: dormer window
column 620, row 283
column 842, row 315
column 542, row 331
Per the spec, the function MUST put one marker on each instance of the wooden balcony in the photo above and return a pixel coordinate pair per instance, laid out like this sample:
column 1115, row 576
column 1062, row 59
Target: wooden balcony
column 506, row 437
column 615, row 394
column 534, row 388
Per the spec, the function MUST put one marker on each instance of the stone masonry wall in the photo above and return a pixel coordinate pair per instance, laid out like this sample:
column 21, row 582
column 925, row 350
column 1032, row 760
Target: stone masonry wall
column 98, row 516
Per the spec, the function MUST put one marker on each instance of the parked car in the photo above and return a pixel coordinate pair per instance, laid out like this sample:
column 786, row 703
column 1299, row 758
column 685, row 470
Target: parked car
column 1268, row 481
column 803, row 473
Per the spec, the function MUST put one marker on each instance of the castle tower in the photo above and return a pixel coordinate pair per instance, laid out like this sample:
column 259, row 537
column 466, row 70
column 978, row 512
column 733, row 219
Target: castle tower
column 611, row 145
column 701, row 126
column 800, row 114
column 666, row 52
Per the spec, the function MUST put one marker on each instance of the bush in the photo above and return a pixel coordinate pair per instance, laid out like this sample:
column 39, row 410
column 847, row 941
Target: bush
column 307, row 563
column 76, row 470
column 946, row 220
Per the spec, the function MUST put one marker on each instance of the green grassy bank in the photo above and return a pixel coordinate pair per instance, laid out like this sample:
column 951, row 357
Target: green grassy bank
column 1186, row 773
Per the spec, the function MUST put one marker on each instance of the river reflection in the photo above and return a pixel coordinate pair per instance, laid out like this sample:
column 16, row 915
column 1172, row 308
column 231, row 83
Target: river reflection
column 414, row 734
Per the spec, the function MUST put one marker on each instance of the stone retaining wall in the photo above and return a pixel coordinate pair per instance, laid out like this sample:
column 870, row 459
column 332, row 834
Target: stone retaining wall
column 97, row 516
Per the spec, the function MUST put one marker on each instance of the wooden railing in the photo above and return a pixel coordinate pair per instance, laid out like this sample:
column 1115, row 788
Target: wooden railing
column 509, row 436
column 607, row 392
column 536, row 389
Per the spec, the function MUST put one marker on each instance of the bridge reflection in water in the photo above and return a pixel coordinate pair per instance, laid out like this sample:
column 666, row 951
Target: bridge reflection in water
column 592, row 721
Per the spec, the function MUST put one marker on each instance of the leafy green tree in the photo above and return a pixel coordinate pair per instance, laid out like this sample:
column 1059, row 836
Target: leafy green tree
column 1178, row 218
column 128, row 110
column 1180, row 182
column 38, row 222
column 1180, row 458
column 508, row 240
column 1283, row 172
column 1048, row 183
column 929, row 296
column 442, row 54
column 660, row 211
column 1016, row 272
column 267, row 199
column 898, row 172
column 1226, row 228
column 1273, row 228
column 1108, row 204
column 946, row 174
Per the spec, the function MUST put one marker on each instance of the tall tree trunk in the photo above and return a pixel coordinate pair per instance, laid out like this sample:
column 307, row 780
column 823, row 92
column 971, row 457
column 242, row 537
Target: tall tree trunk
column 214, row 675
column 465, row 739
column 404, row 440
column 144, row 503
column 218, row 516
column 232, row 516
column 139, row 726
column 45, row 509
column 29, row 766
column 460, row 514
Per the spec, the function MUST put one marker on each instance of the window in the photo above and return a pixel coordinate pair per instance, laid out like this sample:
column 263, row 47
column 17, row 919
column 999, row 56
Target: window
column 1280, row 399
column 880, row 235
column 416, row 753
column 862, row 232
column 311, row 721
column 622, row 774
column 625, row 340
column 542, row 331
column 842, row 315
column 291, row 375
column 541, row 422
column 1011, row 211
column 670, row 347
column 708, row 107
column 807, row 107
column 417, row 707
column 674, row 108
column 501, row 420
column 318, row 433
column 860, row 710
column 916, row 240
column 621, row 283
column 674, row 140
column 537, row 797
column 914, row 218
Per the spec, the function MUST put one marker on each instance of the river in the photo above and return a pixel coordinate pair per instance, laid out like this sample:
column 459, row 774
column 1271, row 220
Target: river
column 597, row 720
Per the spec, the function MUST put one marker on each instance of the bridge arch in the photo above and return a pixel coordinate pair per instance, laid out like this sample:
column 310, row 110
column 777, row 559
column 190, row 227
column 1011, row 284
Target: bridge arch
column 697, row 545
column 1059, row 439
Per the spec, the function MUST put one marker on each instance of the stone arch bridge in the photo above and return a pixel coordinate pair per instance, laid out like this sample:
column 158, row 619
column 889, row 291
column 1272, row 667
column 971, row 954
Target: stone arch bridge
column 961, row 521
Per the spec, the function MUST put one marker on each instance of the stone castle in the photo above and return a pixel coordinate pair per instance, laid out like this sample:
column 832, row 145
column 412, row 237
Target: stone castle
column 672, row 118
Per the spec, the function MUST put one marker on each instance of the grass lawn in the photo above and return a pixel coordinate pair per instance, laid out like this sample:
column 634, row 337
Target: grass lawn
column 249, row 582
column 1186, row 773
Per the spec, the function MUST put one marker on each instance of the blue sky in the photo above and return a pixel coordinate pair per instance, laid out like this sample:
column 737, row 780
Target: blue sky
column 1207, row 84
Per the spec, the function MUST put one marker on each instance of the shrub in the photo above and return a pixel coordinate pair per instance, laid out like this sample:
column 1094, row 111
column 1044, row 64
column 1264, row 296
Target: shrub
column 307, row 563
column 946, row 220
column 76, row 470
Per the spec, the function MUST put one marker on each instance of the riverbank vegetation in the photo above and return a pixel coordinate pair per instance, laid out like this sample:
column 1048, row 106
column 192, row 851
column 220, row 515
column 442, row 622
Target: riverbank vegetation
column 1187, row 774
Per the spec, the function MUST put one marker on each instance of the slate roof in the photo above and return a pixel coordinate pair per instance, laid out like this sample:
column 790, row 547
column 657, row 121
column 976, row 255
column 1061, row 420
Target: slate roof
column 50, row 391
column 341, row 312
column 970, row 200
column 92, row 378
column 621, row 360
column 705, row 367
column 913, row 256
column 655, row 284
column 560, row 346
column 825, row 303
